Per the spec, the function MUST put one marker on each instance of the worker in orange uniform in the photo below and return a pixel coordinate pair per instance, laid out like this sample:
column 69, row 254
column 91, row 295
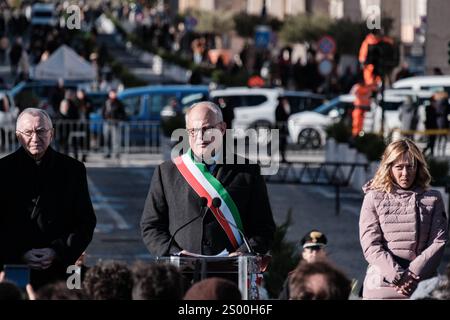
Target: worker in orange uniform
column 363, row 93
column 371, row 76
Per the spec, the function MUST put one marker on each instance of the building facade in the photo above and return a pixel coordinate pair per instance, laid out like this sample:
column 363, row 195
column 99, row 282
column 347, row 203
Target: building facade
column 437, row 36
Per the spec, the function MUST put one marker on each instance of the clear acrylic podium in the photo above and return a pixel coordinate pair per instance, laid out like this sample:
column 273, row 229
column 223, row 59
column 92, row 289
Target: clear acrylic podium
column 248, row 269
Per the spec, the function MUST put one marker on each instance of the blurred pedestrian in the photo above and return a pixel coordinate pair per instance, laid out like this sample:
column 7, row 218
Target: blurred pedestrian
column 113, row 113
column 84, row 108
column 431, row 125
column 15, row 54
column 4, row 45
column 361, row 104
column 66, row 125
column 347, row 80
column 403, row 226
column 282, row 113
column 57, row 94
column 437, row 71
column 403, row 72
column 408, row 115
column 442, row 113
column 227, row 110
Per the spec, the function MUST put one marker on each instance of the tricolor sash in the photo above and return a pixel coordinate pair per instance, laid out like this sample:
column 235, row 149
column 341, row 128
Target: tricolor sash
column 206, row 185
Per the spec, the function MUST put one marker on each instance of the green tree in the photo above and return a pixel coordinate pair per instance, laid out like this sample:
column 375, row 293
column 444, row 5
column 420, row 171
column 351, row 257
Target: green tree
column 305, row 28
column 348, row 35
column 215, row 22
column 284, row 258
column 245, row 24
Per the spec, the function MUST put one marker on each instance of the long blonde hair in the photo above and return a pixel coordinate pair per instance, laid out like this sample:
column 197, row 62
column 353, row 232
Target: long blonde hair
column 383, row 179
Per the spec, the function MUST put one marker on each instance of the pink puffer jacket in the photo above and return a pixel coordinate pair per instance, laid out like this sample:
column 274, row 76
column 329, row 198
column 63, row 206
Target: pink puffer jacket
column 404, row 229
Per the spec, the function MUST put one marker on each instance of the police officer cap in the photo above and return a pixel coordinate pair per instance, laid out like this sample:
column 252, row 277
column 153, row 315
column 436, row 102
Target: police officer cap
column 314, row 238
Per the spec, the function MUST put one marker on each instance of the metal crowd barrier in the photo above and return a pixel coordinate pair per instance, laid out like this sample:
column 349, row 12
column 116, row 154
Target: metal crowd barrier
column 86, row 137
column 333, row 174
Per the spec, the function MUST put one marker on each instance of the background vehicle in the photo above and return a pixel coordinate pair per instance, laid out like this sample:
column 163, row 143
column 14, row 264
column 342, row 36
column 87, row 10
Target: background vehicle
column 147, row 103
column 37, row 94
column 430, row 83
column 255, row 107
column 144, row 107
column 308, row 128
column 43, row 14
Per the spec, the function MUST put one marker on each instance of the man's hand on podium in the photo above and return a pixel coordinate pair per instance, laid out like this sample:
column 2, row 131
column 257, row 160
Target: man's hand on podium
column 235, row 254
column 187, row 253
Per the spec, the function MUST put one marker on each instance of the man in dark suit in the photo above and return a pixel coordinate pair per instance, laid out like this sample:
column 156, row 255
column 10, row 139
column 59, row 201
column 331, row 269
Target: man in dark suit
column 46, row 218
column 178, row 185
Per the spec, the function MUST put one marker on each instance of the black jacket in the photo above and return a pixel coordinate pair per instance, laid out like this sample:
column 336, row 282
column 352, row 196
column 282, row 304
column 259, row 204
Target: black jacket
column 113, row 110
column 171, row 202
column 63, row 219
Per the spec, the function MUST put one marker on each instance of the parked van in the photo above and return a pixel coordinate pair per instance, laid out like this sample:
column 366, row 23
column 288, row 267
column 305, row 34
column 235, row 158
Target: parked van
column 147, row 103
column 430, row 83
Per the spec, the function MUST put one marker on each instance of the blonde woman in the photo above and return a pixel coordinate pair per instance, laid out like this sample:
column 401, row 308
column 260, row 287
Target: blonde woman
column 403, row 226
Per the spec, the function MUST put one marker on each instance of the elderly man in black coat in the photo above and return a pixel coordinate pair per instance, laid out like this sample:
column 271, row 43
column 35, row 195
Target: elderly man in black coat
column 46, row 218
column 181, row 215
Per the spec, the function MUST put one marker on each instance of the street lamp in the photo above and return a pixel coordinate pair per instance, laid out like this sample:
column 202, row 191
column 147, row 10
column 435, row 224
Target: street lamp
column 264, row 11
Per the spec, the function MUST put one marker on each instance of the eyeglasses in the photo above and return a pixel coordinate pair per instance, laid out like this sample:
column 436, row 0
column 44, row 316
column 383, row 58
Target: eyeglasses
column 193, row 132
column 40, row 132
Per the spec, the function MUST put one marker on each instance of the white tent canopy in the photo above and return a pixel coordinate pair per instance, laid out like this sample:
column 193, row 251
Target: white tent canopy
column 66, row 64
column 104, row 25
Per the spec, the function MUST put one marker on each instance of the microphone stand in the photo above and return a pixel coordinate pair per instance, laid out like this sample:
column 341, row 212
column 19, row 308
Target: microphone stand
column 216, row 202
column 172, row 238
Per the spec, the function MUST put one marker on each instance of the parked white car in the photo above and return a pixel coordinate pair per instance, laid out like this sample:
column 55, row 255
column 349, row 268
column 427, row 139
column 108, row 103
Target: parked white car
column 255, row 107
column 308, row 128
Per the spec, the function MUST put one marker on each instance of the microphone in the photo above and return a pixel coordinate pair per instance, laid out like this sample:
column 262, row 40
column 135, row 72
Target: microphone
column 203, row 202
column 216, row 203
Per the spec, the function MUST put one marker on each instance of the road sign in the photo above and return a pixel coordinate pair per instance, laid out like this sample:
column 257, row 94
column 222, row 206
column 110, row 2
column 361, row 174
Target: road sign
column 327, row 45
column 190, row 23
column 262, row 36
column 325, row 67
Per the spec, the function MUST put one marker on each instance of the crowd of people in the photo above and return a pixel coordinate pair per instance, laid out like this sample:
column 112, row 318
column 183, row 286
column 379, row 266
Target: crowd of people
column 24, row 45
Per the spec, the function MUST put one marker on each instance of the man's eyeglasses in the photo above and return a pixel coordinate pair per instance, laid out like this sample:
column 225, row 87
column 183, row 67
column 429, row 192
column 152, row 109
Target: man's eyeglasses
column 40, row 132
column 193, row 132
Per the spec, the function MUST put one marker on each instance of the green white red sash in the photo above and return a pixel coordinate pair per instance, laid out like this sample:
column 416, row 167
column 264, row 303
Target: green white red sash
column 206, row 185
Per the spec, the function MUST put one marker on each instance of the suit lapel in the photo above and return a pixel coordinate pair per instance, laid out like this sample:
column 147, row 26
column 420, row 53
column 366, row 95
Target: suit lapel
column 223, row 173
